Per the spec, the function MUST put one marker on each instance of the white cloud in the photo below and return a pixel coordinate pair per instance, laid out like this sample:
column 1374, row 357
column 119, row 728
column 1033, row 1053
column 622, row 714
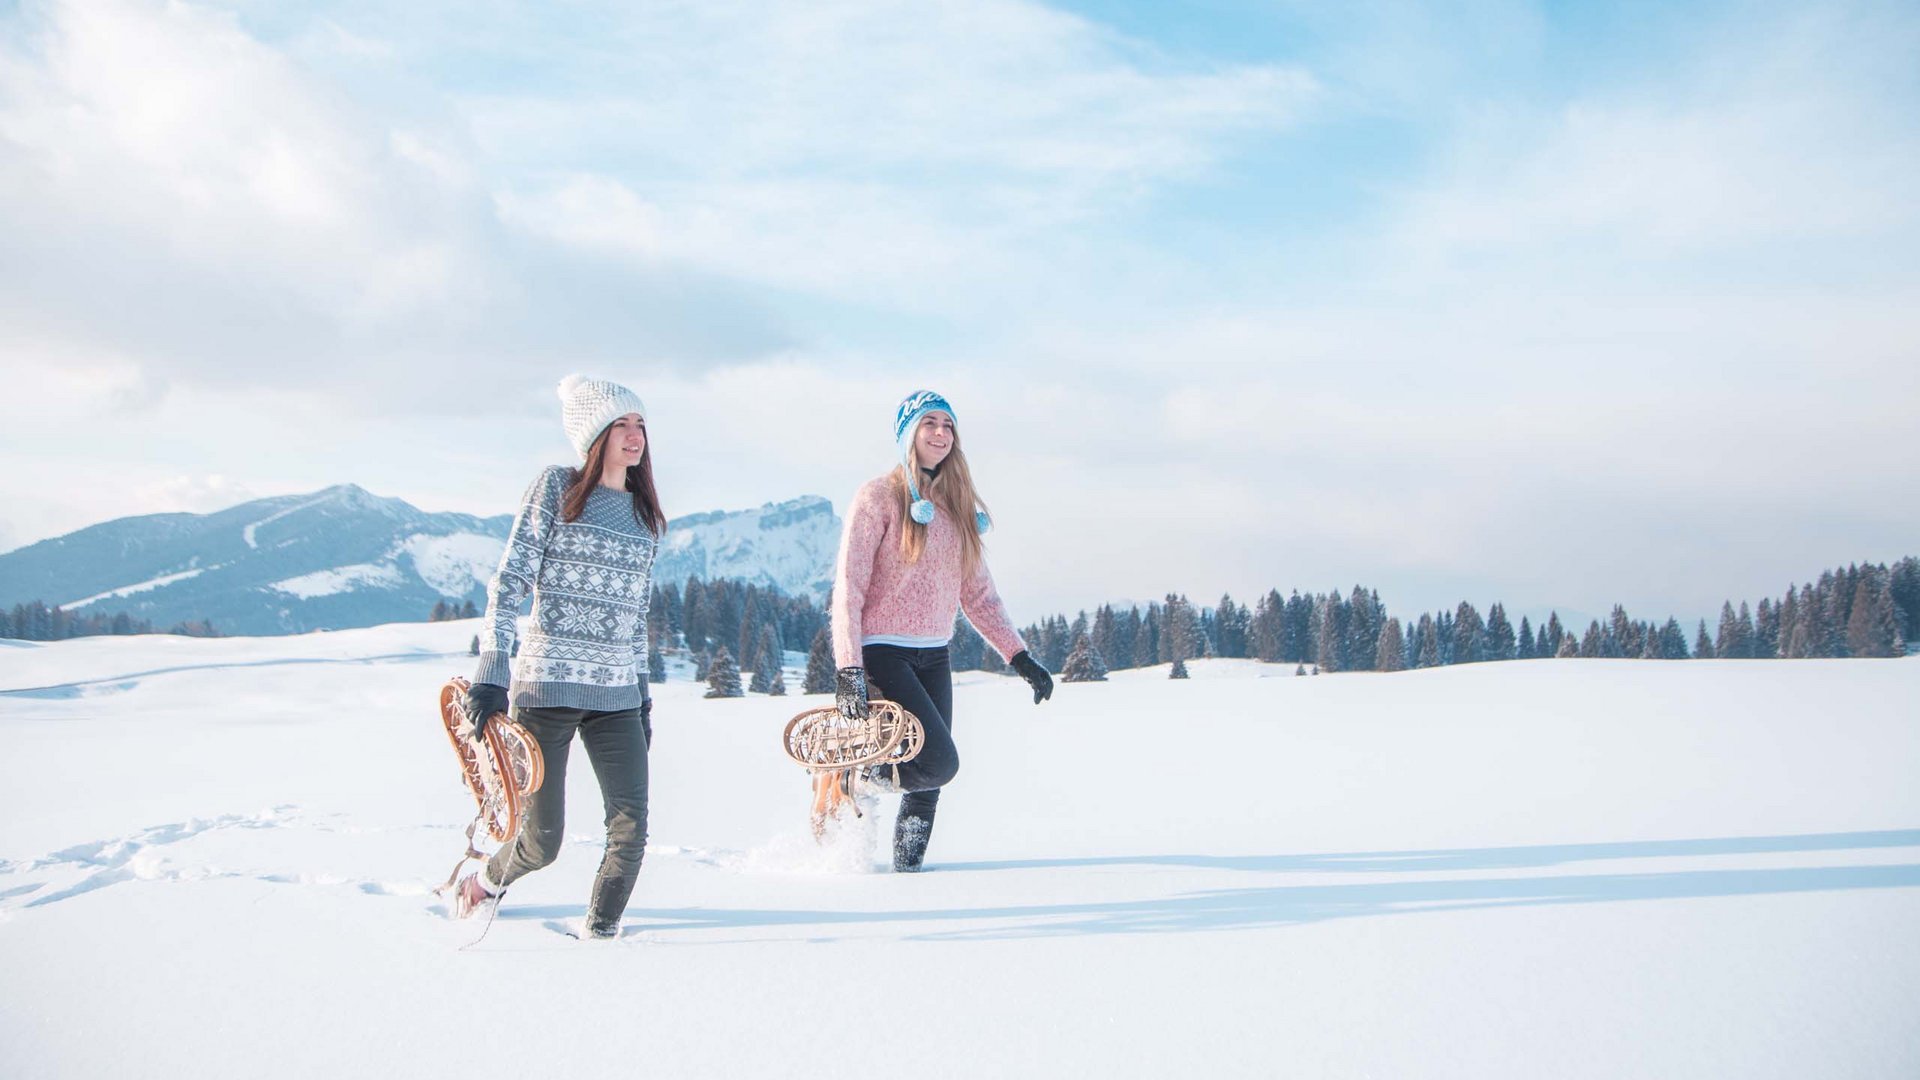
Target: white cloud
column 193, row 494
column 1774, row 151
column 1646, row 340
column 868, row 150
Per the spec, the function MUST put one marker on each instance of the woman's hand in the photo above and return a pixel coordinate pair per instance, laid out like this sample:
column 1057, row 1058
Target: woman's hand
column 850, row 692
column 483, row 700
column 1029, row 669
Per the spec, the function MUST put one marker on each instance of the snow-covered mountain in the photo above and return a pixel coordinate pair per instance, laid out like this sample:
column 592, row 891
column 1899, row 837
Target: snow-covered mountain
column 343, row 557
column 789, row 545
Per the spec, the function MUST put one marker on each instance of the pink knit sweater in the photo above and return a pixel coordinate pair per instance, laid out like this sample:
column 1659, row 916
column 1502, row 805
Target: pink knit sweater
column 875, row 592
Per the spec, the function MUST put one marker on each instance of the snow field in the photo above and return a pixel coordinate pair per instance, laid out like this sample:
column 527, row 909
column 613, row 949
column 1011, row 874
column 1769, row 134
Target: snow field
column 1553, row 868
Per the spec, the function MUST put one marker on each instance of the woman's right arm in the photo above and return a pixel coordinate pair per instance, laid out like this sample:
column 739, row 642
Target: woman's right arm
column 519, row 570
column 866, row 525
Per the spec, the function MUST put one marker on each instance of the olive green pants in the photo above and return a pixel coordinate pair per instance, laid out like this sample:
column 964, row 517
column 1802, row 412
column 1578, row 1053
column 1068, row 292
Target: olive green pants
column 617, row 747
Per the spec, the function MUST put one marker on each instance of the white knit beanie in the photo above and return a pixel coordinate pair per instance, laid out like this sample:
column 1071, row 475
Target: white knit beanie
column 587, row 406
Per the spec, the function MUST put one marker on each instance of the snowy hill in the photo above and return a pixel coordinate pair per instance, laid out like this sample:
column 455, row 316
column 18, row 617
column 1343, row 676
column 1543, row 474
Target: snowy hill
column 342, row 558
column 1564, row 868
column 339, row 557
column 789, row 545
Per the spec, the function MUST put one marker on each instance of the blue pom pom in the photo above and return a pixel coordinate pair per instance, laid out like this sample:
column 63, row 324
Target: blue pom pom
column 981, row 522
column 922, row 511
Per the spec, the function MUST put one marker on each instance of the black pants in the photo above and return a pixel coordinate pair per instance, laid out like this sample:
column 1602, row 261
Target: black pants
column 921, row 682
column 617, row 747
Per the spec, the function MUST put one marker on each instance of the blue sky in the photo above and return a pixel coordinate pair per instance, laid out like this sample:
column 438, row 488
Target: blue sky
column 1556, row 304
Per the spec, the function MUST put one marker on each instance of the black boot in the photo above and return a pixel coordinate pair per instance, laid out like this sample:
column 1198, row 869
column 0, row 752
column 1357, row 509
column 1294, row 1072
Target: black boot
column 910, row 835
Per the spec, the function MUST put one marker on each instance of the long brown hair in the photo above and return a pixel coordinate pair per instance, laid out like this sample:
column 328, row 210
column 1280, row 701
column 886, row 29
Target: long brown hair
column 646, row 501
column 951, row 491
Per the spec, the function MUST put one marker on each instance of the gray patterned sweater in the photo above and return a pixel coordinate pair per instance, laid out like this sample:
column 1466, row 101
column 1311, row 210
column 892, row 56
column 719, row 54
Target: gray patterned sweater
column 591, row 579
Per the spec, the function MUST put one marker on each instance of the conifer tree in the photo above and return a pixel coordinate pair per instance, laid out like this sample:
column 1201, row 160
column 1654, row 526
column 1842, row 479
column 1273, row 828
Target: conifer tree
column 473, row 647
column 1766, row 631
column 1469, row 635
column 1146, row 647
column 1789, row 616
column 1326, row 633
column 1127, row 630
column 1178, row 671
column 1834, row 601
column 1703, row 648
column 723, row 676
column 1594, row 644
column 766, row 662
column 1499, row 644
column 1267, row 628
column 1569, row 646
column 1390, row 651
column 1525, row 649
column 1903, row 586
column 779, row 687
column 1084, row 663
column 1617, row 634
column 469, row 611
column 1428, row 636
column 1177, row 631
column 1103, row 629
column 1727, row 645
column 1362, row 635
column 702, row 665
column 1871, row 629
column 1673, row 640
column 656, row 664
column 820, row 664
column 1296, row 644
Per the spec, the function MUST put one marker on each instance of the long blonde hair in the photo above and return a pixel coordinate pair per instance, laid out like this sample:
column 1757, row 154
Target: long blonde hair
column 952, row 493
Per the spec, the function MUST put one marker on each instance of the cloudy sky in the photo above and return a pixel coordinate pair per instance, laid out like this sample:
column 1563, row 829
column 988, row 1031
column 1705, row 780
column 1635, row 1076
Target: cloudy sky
column 1555, row 304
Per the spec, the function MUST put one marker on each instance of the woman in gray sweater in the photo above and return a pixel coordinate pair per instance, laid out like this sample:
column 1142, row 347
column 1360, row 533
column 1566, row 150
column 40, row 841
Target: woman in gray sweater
column 583, row 545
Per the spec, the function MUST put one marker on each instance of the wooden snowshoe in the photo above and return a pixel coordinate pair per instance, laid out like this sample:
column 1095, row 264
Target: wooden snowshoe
column 502, row 769
column 832, row 748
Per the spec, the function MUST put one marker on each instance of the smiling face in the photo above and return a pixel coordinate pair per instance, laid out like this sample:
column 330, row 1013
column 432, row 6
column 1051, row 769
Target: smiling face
column 626, row 441
column 933, row 439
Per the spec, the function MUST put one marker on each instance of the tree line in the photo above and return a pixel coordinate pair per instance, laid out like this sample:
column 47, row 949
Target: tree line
column 727, row 627
column 1863, row 610
column 35, row 620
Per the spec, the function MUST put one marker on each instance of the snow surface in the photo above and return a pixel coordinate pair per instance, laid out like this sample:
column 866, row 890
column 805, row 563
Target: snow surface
column 453, row 565
column 144, row 586
column 217, row 856
column 341, row 579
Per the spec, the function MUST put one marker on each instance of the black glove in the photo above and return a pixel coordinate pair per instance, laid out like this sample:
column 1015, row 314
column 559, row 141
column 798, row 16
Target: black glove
column 483, row 700
column 1029, row 669
column 646, row 720
column 850, row 692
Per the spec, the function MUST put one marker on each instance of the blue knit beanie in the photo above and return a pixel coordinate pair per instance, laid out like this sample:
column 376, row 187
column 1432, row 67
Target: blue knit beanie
column 906, row 421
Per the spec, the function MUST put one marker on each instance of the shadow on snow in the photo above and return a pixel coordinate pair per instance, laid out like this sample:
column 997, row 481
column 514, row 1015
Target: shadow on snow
column 1281, row 905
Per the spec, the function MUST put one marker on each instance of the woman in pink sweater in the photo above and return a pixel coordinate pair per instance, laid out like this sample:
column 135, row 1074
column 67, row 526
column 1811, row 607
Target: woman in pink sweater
column 910, row 559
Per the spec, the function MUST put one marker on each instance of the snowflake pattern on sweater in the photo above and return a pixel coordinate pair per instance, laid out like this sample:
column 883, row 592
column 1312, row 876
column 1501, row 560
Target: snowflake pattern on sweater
column 878, row 593
column 591, row 581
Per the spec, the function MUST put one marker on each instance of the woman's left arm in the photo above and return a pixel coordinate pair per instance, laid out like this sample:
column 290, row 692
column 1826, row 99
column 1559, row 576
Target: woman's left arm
column 640, row 643
column 988, row 614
